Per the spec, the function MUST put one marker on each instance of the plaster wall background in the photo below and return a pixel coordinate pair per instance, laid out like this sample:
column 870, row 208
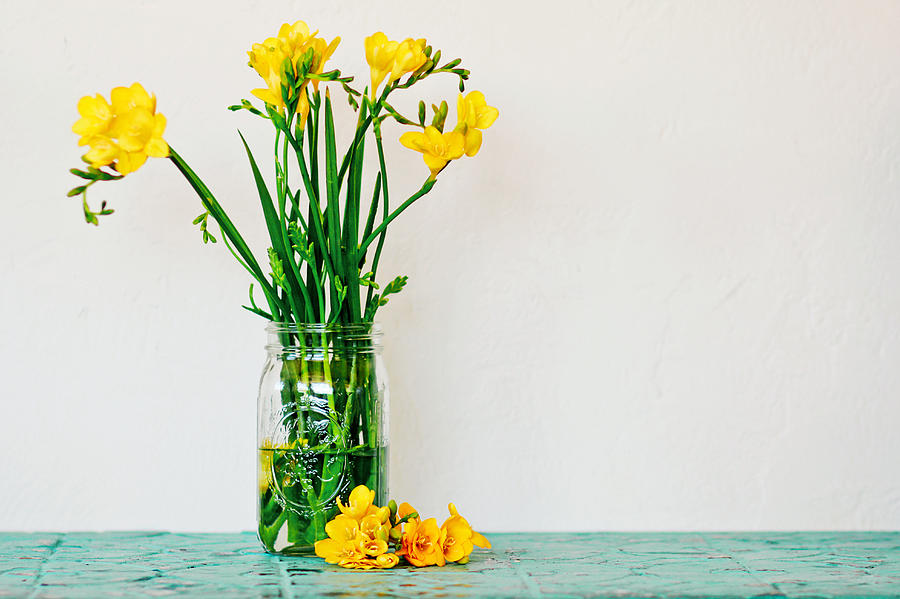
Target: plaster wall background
column 665, row 295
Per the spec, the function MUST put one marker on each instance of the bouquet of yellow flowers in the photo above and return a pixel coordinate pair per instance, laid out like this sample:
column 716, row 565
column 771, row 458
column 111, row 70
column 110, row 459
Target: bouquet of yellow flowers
column 365, row 536
column 321, row 425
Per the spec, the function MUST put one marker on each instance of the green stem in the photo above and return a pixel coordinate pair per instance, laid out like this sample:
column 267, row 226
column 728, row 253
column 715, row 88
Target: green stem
column 315, row 210
column 384, row 212
column 426, row 187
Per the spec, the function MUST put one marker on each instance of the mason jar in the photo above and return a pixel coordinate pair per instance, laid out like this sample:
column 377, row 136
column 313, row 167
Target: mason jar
column 322, row 428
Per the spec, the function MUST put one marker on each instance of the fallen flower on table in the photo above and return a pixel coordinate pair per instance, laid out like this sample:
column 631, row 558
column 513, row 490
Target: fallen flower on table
column 365, row 536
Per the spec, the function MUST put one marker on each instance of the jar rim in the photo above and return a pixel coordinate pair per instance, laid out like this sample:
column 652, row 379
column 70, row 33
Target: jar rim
column 371, row 328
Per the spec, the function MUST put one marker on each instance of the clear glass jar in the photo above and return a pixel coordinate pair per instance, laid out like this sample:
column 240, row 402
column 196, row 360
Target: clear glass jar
column 322, row 428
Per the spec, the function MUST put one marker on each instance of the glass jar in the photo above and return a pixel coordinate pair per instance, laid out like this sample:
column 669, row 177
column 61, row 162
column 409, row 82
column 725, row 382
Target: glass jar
column 322, row 428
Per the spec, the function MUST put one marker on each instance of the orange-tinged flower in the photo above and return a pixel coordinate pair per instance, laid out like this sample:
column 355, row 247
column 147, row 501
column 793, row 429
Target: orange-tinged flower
column 458, row 538
column 405, row 510
column 437, row 148
column 421, row 543
column 358, row 504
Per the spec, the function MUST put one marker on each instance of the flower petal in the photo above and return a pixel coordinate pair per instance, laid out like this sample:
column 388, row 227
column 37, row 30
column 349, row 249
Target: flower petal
column 414, row 140
column 435, row 163
column 473, row 142
column 157, row 147
column 486, row 117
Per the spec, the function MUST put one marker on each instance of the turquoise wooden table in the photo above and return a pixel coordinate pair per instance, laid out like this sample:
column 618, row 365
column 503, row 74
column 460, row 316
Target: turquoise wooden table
column 142, row 564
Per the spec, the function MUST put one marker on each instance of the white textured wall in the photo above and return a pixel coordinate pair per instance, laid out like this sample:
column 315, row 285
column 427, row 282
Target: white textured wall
column 666, row 295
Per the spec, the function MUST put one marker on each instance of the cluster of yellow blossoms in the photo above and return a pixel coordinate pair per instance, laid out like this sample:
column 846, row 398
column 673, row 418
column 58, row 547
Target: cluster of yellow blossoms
column 387, row 56
column 123, row 132
column 291, row 44
column 473, row 115
column 361, row 536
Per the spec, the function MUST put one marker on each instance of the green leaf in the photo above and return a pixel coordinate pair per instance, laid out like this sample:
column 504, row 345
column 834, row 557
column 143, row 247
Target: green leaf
column 77, row 191
column 82, row 174
column 258, row 312
column 241, row 250
column 332, row 209
column 274, row 226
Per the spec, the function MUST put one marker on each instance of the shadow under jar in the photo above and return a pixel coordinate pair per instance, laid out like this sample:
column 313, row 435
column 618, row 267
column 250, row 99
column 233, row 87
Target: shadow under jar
column 322, row 428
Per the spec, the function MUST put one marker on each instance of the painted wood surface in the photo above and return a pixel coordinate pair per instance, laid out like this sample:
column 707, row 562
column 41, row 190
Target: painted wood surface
column 133, row 564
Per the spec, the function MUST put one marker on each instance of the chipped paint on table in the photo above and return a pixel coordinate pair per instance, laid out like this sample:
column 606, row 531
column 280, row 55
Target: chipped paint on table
column 131, row 564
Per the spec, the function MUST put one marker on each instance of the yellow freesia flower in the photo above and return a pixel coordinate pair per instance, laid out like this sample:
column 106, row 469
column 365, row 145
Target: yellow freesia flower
column 380, row 53
column 291, row 43
column 410, row 55
column 373, row 547
column 341, row 543
column 421, row 543
column 137, row 127
column 387, row 56
column 126, row 99
column 358, row 536
column 387, row 560
column 373, row 527
column 295, row 34
column 103, row 152
column 96, row 117
column 437, row 148
column 122, row 133
column 458, row 538
column 383, row 513
column 358, row 503
column 473, row 114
